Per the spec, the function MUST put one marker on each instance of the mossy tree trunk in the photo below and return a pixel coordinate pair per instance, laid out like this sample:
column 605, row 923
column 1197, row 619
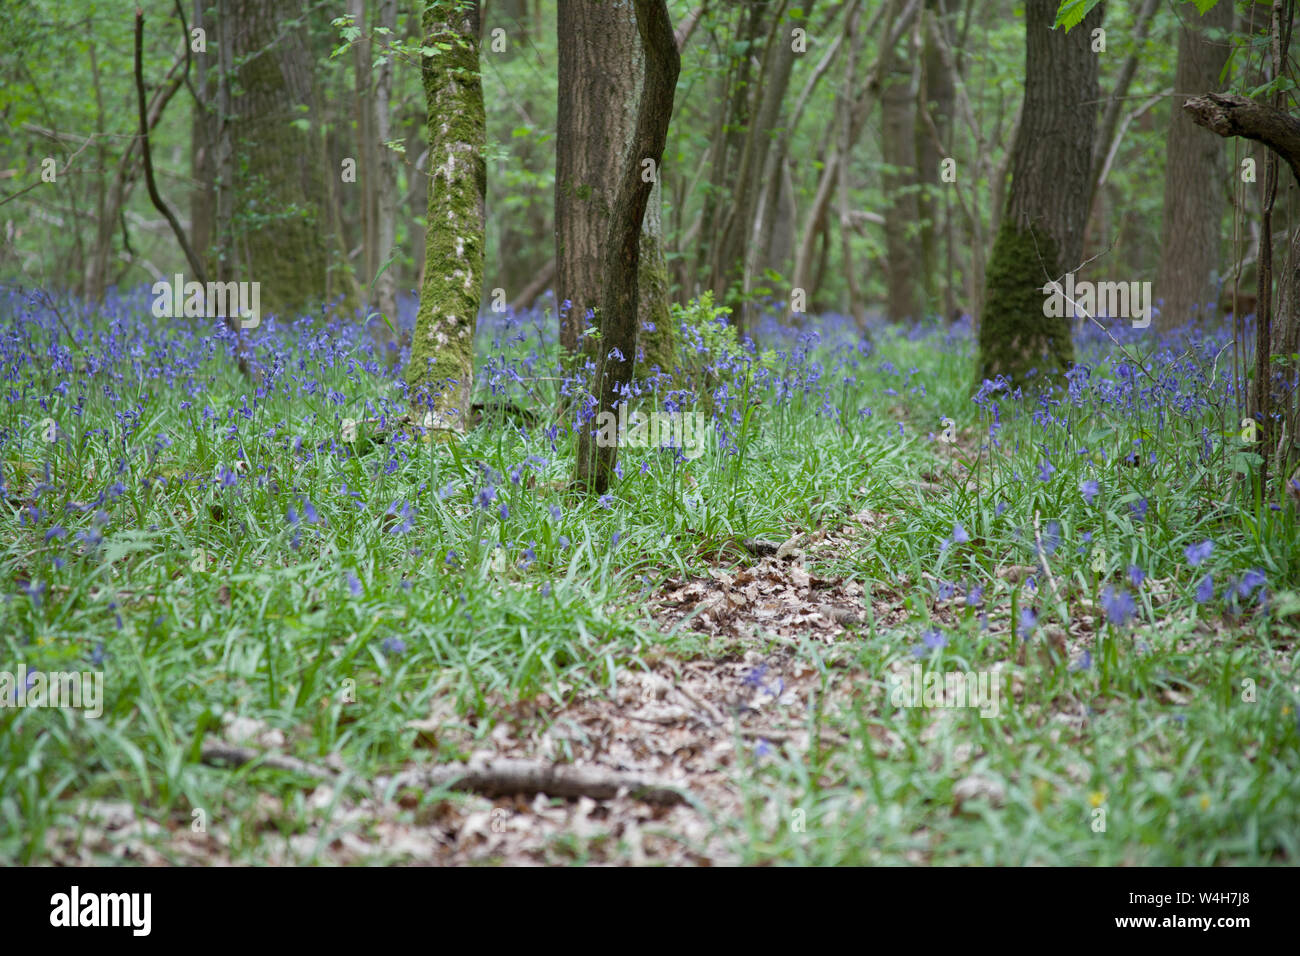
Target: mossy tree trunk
column 1041, row 234
column 658, row 348
column 276, row 223
column 441, row 369
column 619, row 302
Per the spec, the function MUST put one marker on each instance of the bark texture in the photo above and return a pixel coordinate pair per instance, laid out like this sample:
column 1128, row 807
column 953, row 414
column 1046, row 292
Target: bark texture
column 1195, row 167
column 618, row 313
column 1041, row 234
column 275, row 188
column 441, row 369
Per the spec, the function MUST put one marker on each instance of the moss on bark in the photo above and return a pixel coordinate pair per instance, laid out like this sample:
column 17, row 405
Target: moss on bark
column 441, row 368
column 657, row 340
column 1016, row 339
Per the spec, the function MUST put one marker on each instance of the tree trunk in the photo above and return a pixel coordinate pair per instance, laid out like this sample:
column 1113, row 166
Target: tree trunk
column 730, row 280
column 935, row 103
column 276, row 188
column 386, row 174
column 602, row 64
column 1041, row 234
column 653, row 313
column 618, row 312
column 598, row 70
column 898, row 182
column 523, row 247
column 203, row 148
column 441, row 370
column 1230, row 115
column 1195, row 165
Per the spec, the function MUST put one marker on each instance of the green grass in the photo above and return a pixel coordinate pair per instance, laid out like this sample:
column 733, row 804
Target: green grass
column 409, row 593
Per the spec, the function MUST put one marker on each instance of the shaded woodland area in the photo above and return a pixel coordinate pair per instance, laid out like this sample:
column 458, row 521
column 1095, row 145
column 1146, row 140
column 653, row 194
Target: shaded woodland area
column 554, row 431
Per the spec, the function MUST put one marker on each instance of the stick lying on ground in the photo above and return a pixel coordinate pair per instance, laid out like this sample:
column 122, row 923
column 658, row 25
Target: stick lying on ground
column 492, row 777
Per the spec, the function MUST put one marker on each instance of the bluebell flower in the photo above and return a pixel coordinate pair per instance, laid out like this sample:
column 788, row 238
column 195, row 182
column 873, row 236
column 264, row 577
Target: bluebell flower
column 1205, row 590
column 1028, row 621
column 934, row 639
column 1196, row 553
column 1119, row 606
column 1089, row 490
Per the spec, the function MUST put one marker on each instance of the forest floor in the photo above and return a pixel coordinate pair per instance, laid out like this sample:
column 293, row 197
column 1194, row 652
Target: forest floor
column 876, row 621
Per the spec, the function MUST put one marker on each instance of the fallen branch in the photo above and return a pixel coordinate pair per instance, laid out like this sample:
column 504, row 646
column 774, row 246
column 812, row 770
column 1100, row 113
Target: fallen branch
column 218, row 753
column 490, row 777
column 503, row 776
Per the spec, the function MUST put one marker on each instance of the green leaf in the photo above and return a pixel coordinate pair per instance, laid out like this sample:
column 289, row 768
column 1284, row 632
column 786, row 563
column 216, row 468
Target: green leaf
column 1071, row 13
column 383, row 269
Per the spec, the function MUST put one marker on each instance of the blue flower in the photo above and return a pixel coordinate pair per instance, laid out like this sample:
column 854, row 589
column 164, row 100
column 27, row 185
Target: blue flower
column 1089, row 490
column 974, row 596
column 1051, row 537
column 959, row 535
column 1196, row 553
column 1136, row 575
column 1118, row 606
column 934, row 639
column 404, row 513
column 1205, row 590
column 1249, row 581
column 1083, row 663
column 354, row 584
column 393, row 645
column 1028, row 621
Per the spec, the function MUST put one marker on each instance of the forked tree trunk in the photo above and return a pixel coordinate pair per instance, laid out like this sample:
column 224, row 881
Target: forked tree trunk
column 618, row 311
